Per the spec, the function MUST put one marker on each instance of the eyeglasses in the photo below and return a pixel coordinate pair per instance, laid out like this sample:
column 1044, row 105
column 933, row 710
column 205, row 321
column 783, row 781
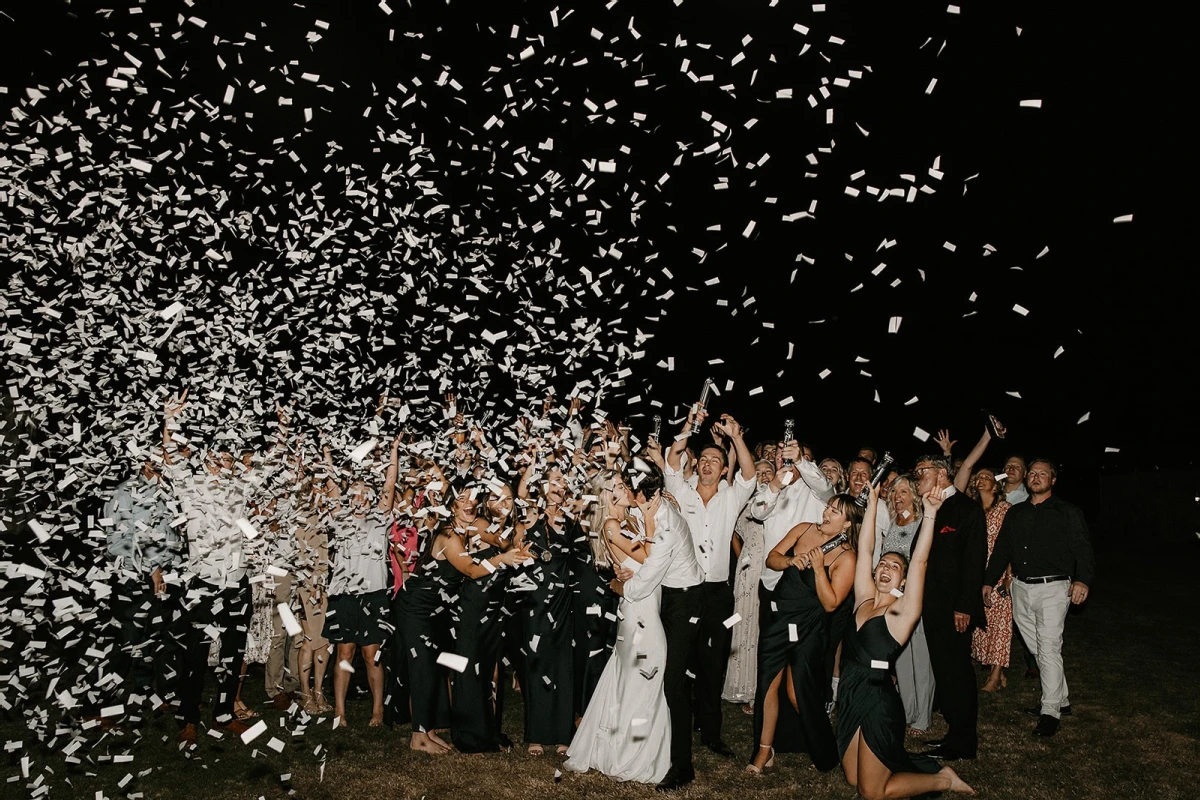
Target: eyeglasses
column 922, row 470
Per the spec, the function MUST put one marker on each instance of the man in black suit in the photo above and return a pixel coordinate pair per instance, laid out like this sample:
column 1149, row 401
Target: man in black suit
column 953, row 604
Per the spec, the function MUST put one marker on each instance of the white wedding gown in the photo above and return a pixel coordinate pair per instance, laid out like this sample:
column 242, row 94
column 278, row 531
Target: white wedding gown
column 625, row 732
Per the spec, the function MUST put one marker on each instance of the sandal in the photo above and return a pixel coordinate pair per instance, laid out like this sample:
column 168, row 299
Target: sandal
column 242, row 712
column 756, row 770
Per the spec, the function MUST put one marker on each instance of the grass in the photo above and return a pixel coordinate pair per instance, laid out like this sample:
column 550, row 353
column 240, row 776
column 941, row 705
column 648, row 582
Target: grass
column 1134, row 734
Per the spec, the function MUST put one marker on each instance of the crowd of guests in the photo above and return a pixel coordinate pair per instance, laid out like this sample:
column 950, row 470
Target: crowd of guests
column 624, row 596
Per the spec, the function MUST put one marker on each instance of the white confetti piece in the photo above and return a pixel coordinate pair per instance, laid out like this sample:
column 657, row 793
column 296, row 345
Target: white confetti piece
column 1031, row 104
column 255, row 730
column 921, row 434
column 452, row 661
column 1124, row 218
column 734, row 620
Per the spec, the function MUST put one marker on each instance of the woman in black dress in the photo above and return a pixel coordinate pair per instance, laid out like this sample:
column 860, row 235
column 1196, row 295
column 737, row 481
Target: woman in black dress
column 547, row 679
column 424, row 623
column 794, row 631
column 870, row 713
column 479, row 627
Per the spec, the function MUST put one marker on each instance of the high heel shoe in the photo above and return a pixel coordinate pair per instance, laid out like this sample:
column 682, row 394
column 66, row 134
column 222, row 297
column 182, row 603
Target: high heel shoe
column 754, row 769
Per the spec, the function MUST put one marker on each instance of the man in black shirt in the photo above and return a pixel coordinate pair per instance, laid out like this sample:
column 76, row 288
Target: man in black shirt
column 952, row 605
column 1046, row 540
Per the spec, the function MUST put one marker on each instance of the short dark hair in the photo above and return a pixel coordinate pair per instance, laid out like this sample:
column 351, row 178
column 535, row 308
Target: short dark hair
column 719, row 449
column 644, row 477
column 1053, row 467
column 874, row 453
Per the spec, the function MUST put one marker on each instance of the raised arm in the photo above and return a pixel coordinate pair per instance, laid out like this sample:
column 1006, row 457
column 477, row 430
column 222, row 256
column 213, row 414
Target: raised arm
column 963, row 476
column 864, row 582
column 696, row 417
column 387, row 498
column 733, row 432
column 908, row 608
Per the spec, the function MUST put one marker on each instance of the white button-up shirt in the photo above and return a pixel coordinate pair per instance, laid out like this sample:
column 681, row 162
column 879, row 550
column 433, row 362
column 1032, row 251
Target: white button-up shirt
column 212, row 506
column 672, row 560
column 712, row 524
column 800, row 501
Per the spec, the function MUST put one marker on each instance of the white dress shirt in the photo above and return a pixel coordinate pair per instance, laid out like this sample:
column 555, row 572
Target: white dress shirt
column 1018, row 495
column 212, row 505
column 672, row 560
column 800, row 501
column 712, row 524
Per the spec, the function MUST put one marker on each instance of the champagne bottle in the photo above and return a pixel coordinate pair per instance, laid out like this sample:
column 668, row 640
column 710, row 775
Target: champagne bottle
column 656, row 429
column 834, row 543
column 705, row 393
column 880, row 471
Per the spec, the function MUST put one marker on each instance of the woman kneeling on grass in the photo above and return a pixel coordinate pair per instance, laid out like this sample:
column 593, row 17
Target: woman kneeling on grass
column 870, row 714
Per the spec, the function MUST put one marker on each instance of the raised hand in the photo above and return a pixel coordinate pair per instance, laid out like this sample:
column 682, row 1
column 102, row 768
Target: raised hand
column 729, row 427
column 944, row 441
column 932, row 502
column 173, row 405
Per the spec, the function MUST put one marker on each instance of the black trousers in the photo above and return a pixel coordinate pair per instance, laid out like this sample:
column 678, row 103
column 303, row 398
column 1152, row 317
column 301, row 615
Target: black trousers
column 229, row 610
column 145, row 655
column 950, row 657
column 711, row 656
column 679, row 608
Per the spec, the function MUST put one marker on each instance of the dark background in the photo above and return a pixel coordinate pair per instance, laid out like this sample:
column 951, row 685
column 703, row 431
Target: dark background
column 1108, row 140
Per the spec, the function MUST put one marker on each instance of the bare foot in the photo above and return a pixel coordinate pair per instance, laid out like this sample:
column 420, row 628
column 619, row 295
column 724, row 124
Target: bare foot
column 339, row 721
column 376, row 720
column 957, row 784
column 561, row 749
column 433, row 737
column 425, row 746
column 990, row 686
column 535, row 750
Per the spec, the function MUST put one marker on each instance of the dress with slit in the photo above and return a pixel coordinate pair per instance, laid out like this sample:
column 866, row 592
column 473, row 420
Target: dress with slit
column 869, row 701
column 424, row 605
column 796, row 604
column 478, row 637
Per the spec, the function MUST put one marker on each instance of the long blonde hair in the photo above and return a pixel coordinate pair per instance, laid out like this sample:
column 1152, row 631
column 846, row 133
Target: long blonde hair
column 601, row 486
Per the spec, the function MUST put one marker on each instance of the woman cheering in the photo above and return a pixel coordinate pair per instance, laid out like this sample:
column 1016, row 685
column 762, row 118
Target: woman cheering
column 869, row 712
column 795, row 631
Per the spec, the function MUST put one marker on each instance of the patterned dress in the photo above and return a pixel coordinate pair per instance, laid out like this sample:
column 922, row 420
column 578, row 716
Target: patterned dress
column 991, row 646
column 740, row 673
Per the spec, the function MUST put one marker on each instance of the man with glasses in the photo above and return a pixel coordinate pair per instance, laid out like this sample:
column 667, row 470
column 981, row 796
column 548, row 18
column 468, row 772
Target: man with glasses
column 1046, row 541
column 952, row 605
column 711, row 506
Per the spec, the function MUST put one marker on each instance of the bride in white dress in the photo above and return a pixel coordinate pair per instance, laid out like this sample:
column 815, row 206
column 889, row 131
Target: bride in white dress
column 625, row 732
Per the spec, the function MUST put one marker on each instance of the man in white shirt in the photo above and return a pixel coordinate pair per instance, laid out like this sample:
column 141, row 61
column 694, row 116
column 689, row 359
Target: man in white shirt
column 671, row 564
column 218, row 601
column 711, row 506
column 1014, row 480
column 858, row 476
column 797, row 494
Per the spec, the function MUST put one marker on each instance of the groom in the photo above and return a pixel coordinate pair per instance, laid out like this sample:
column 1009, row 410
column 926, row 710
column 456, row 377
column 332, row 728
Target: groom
column 671, row 563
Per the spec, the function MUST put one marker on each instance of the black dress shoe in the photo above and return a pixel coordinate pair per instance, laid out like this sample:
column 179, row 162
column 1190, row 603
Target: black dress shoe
column 676, row 778
column 944, row 752
column 935, row 742
column 1046, row 726
column 720, row 748
column 1036, row 711
column 505, row 743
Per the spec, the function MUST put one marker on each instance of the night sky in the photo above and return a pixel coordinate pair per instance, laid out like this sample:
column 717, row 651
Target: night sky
column 703, row 111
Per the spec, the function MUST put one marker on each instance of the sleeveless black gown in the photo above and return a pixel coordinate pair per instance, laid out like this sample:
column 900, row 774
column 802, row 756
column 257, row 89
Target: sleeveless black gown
column 547, row 677
column 479, row 637
column 424, row 605
column 869, row 700
column 796, row 603
column 595, row 610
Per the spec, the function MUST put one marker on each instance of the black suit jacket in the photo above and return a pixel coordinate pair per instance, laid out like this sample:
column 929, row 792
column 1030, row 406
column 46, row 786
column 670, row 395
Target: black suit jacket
column 957, row 561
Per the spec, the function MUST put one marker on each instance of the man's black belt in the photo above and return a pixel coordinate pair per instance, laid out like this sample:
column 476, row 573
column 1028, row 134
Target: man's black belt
column 1046, row 579
column 680, row 589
